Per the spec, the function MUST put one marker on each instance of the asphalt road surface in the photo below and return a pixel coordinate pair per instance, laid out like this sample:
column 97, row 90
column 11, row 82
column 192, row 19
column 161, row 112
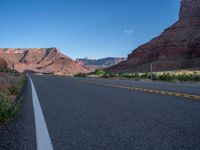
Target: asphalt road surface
column 88, row 114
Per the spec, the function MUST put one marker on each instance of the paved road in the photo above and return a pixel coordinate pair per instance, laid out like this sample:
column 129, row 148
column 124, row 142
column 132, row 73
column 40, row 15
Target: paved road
column 81, row 115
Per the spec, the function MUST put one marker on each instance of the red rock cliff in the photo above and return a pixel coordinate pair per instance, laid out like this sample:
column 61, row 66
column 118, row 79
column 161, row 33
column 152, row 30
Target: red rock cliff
column 43, row 60
column 177, row 47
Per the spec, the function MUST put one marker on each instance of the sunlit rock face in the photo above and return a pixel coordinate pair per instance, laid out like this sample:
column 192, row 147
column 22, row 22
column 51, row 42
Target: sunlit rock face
column 43, row 60
column 178, row 47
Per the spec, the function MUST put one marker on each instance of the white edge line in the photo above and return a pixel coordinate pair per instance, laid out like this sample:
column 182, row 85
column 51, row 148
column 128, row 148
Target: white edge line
column 42, row 135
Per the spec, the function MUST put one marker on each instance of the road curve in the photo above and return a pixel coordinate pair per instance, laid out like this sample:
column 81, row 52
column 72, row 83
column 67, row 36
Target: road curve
column 87, row 116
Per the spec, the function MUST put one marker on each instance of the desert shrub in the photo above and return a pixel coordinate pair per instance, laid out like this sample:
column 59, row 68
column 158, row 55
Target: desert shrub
column 196, row 77
column 184, row 77
column 136, row 75
column 146, row 75
column 82, row 75
column 8, row 108
column 165, row 77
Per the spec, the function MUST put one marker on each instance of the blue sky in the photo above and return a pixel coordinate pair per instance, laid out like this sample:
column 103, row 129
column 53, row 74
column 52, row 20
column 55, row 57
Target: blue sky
column 84, row 28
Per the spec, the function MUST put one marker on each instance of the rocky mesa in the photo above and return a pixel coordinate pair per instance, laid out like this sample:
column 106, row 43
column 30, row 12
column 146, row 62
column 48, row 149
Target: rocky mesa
column 42, row 60
column 178, row 47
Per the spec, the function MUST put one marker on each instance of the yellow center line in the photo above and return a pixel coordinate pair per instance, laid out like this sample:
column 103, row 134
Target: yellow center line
column 162, row 92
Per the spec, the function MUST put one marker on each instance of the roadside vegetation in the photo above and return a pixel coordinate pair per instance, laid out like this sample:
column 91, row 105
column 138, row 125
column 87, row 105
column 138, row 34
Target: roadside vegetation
column 163, row 76
column 170, row 76
column 9, row 89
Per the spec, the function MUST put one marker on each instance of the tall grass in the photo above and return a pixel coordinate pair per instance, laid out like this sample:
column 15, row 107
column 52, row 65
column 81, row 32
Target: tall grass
column 8, row 105
column 8, row 108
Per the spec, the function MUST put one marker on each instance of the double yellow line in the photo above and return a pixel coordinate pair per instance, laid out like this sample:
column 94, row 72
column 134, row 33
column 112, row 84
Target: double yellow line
column 162, row 92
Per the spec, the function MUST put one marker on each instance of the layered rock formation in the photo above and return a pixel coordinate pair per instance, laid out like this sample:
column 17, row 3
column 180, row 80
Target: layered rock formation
column 101, row 63
column 178, row 47
column 43, row 60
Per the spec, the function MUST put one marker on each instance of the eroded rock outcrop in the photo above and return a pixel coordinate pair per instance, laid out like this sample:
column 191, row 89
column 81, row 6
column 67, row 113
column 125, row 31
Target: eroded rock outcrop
column 43, row 60
column 178, row 47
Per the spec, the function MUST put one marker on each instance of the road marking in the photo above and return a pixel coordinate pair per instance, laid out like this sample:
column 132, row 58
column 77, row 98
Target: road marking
column 42, row 134
column 162, row 92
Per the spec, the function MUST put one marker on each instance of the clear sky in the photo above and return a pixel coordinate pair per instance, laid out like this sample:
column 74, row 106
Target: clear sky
column 84, row 28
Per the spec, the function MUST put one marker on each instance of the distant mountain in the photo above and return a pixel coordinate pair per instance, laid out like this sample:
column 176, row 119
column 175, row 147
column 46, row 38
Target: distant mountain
column 43, row 60
column 178, row 47
column 101, row 63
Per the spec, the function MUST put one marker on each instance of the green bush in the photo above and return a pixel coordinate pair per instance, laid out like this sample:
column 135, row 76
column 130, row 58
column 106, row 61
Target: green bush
column 165, row 77
column 184, row 77
column 100, row 72
column 8, row 108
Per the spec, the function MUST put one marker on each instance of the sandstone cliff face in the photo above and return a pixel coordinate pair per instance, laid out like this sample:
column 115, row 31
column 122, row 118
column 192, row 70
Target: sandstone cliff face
column 43, row 60
column 177, row 47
